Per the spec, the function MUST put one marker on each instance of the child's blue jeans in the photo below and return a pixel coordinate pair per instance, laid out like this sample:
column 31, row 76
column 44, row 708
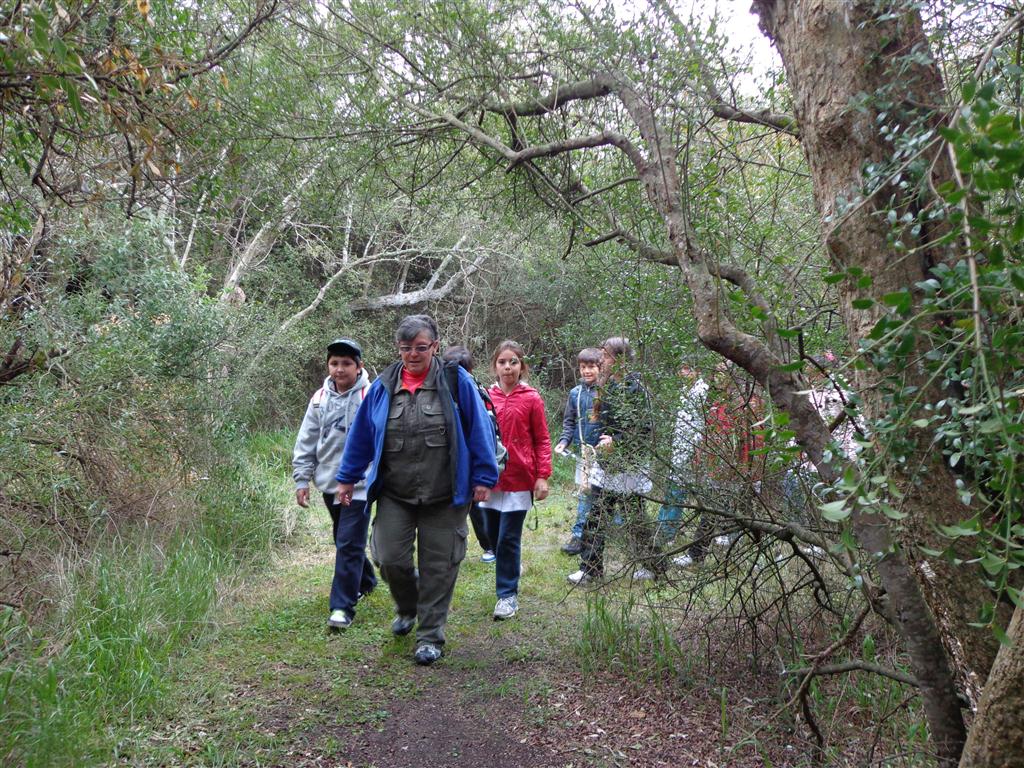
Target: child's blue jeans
column 671, row 513
column 582, row 511
column 353, row 572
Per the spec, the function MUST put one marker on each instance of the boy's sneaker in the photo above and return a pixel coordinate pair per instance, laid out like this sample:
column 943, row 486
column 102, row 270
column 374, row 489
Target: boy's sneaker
column 506, row 608
column 402, row 625
column 487, row 557
column 426, row 654
column 339, row 620
column 573, row 546
column 723, row 540
column 642, row 574
column 367, row 593
column 683, row 561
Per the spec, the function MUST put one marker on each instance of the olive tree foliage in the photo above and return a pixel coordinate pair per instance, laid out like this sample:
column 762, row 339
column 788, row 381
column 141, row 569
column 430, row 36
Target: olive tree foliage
column 616, row 125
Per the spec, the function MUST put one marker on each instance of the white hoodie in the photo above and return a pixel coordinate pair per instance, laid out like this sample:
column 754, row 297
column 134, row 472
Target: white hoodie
column 321, row 439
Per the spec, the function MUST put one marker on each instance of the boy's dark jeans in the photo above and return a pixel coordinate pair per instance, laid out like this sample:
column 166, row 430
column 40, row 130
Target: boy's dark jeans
column 353, row 572
column 638, row 531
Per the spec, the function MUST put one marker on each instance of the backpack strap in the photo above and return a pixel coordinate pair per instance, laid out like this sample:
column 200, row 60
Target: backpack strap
column 318, row 397
column 579, row 414
column 451, row 372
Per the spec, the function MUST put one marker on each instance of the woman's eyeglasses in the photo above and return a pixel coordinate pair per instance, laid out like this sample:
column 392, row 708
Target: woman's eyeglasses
column 421, row 349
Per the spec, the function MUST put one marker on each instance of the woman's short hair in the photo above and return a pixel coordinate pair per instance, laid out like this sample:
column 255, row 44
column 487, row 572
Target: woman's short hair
column 413, row 325
column 618, row 347
column 459, row 354
column 517, row 349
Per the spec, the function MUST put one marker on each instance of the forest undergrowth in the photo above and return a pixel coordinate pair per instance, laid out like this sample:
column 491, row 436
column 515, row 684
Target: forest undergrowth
column 96, row 655
column 615, row 676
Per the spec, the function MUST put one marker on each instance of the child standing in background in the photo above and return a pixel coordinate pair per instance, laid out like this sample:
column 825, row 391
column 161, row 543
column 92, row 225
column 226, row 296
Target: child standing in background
column 462, row 356
column 581, row 428
column 524, row 430
column 622, row 477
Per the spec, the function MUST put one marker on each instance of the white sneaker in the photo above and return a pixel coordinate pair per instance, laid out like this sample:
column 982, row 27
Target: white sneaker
column 487, row 557
column 683, row 561
column 579, row 577
column 722, row 541
column 506, row 608
column 642, row 574
column 813, row 551
column 339, row 620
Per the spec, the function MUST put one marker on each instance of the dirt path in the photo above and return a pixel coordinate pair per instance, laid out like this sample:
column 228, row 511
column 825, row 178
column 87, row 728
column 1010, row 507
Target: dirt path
column 273, row 688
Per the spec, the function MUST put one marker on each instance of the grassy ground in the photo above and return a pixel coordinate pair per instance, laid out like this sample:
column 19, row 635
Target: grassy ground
column 273, row 687
column 578, row 678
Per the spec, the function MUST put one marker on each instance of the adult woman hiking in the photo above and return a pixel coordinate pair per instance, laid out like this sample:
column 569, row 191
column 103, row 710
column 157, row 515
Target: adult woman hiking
column 427, row 453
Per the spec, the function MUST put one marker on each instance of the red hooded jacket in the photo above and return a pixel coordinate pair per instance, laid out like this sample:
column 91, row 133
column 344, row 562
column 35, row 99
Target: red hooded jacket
column 524, row 431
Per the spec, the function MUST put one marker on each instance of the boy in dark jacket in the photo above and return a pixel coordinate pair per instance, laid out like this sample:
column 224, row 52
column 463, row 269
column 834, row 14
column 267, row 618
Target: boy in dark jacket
column 621, row 478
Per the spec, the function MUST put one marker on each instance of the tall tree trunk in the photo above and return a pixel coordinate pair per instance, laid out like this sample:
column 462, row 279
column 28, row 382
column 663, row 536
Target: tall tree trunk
column 838, row 57
column 908, row 607
column 997, row 733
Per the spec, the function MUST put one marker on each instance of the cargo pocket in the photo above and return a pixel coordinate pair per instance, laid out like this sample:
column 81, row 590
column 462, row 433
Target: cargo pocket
column 373, row 540
column 459, row 537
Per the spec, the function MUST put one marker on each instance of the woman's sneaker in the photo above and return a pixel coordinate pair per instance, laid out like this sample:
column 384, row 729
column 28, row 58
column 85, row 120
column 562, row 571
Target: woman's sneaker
column 506, row 608
column 487, row 557
column 426, row 654
column 402, row 625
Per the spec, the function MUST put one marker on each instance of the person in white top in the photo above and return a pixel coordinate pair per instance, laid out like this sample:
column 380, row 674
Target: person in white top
column 686, row 437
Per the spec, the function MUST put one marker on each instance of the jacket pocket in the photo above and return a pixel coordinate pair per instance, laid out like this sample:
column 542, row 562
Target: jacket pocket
column 436, row 438
column 433, row 415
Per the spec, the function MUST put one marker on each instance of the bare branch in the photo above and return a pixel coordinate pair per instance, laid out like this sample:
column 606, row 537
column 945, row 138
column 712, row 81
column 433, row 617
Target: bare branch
column 605, row 138
column 583, row 90
column 428, row 293
column 215, row 58
column 853, row 666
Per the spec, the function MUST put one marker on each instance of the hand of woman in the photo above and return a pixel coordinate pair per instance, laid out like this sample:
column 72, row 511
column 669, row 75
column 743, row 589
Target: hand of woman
column 605, row 443
column 481, row 493
column 540, row 489
column 302, row 497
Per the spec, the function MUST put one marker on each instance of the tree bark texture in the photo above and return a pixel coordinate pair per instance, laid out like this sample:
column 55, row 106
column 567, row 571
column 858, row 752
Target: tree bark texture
column 835, row 55
column 997, row 733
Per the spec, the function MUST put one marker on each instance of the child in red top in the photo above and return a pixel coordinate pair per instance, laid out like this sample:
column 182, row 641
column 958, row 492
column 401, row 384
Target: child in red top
column 524, row 431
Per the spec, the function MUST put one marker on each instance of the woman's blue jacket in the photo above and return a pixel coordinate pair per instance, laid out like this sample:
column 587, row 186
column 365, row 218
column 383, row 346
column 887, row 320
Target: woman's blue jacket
column 471, row 449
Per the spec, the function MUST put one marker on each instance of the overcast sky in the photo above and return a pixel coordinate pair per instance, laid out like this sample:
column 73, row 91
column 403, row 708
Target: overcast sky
column 743, row 32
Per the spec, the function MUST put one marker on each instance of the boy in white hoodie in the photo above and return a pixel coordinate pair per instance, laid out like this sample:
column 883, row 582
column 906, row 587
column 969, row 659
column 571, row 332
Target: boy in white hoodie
column 318, row 450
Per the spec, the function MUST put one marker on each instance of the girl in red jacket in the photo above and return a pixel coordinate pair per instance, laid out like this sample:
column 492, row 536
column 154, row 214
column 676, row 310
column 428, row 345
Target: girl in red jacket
column 524, row 431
